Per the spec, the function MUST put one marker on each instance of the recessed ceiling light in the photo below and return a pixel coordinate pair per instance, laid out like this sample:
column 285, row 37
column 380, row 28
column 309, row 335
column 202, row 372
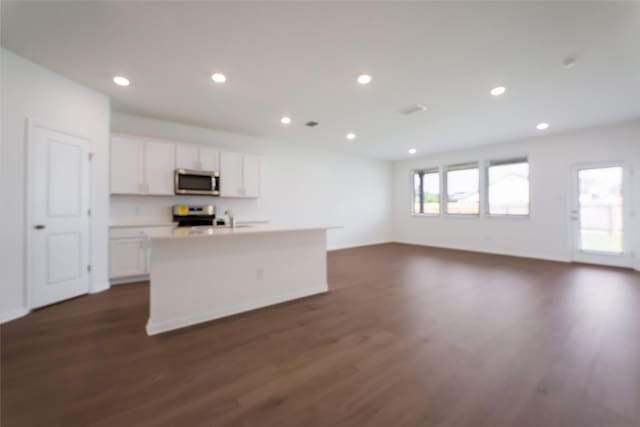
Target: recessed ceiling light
column 218, row 77
column 412, row 151
column 121, row 81
column 285, row 120
column 364, row 79
column 542, row 126
column 499, row 90
column 351, row 135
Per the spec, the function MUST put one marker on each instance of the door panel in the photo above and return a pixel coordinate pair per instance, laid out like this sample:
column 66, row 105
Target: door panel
column 600, row 214
column 64, row 257
column 65, row 176
column 58, row 225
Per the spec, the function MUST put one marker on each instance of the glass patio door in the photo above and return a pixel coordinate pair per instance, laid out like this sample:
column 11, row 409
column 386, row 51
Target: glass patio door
column 600, row 215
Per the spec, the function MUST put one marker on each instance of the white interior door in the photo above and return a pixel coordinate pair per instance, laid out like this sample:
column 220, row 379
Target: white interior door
column 58, row 220
column 600, row 214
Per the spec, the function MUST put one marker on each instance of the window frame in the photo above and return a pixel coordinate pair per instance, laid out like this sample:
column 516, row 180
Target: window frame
column 431, row 170
column 500, row 162
column 445, row 185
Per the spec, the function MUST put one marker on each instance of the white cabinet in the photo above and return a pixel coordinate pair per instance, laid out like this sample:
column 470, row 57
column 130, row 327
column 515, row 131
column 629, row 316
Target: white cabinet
column 187, row 157
column 141, row 166
column 145, row 166
column 209, row 159
column 128, row 257
column 160, row 166
column 239, row 175
column 197, row 158
column 230, row 174
column 127, row 165
column 251, row 175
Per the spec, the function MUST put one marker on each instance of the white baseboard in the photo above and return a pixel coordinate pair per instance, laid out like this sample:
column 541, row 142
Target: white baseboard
column 13, row 314
column 132, row 279
column 99, row 287
column 359, row 245
column 154, row 328
column 518, row 254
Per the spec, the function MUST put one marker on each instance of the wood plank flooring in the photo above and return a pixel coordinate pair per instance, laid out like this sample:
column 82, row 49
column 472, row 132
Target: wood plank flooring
column 407, row 336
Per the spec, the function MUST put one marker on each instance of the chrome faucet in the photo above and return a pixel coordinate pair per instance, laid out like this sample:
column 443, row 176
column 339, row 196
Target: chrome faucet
column 232, row 220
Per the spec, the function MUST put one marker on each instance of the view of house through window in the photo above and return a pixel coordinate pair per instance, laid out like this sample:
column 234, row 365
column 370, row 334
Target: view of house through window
column 508, row 187
column 426, row 198
column 462, row 183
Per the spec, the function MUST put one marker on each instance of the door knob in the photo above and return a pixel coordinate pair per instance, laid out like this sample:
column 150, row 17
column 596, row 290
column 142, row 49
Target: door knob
column 39, row 227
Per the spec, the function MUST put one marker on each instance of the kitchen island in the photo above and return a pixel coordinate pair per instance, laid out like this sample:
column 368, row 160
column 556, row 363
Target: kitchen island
column 204, row 273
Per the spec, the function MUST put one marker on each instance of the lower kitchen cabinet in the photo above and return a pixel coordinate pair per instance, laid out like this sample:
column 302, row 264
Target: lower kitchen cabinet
column 129, row 254
column 128, row 257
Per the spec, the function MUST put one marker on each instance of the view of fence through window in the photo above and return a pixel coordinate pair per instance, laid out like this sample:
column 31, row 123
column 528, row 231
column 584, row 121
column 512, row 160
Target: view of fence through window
column 427, row 192
column 463, row 197
column 509, row 187
column 601, row 209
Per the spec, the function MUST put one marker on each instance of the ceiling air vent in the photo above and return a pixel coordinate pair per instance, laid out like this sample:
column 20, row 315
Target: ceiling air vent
column 415, row 108
column 312, row 124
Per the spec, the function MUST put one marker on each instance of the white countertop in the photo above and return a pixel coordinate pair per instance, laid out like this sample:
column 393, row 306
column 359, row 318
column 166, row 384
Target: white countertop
column 145, row 224
column 194, row 232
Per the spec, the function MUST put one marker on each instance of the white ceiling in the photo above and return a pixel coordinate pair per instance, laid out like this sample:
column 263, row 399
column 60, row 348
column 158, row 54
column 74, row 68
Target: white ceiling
column 302, row 59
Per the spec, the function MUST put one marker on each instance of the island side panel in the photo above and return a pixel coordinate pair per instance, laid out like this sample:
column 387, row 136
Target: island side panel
column 196, row 279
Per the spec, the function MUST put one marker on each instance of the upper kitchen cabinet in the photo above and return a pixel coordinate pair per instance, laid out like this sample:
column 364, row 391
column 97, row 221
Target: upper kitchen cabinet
column 209, row 159
column 187, row 157
column 197, row 158
column 239, row 175
column 127, row 165
column 251, row 175
column 160, row 165
column 141, row 166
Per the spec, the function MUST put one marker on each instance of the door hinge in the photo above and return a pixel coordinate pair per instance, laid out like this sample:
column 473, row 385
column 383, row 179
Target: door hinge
column 89, row 268
column 91, row 156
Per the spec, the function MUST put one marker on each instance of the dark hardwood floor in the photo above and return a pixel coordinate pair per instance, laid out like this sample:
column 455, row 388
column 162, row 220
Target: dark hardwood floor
column 407, row 336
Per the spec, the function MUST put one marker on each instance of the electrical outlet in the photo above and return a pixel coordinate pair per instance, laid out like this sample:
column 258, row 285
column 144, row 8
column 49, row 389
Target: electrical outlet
column 260, row 274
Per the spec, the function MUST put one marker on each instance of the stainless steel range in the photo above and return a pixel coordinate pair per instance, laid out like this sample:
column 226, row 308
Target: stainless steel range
column 191, row 216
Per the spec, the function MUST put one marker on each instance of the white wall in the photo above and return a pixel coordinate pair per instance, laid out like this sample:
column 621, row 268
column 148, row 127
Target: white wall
column 31, row 91
column 300, row 185
column 546, row 234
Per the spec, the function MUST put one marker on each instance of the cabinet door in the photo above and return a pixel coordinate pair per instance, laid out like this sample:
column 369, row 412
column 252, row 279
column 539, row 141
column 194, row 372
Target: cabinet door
column 209, row 159
column 230, row 174
column 251, row 176
column 160, row 164
column 187, row 157
column 127, row 165
column 128, row 257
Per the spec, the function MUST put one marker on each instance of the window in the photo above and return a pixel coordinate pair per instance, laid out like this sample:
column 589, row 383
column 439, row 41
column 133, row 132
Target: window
column 508, row 187
column 463, row 196
column 426, row 192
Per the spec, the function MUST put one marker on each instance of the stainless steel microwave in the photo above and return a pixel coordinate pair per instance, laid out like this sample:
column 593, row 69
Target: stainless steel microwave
column 198, row 183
